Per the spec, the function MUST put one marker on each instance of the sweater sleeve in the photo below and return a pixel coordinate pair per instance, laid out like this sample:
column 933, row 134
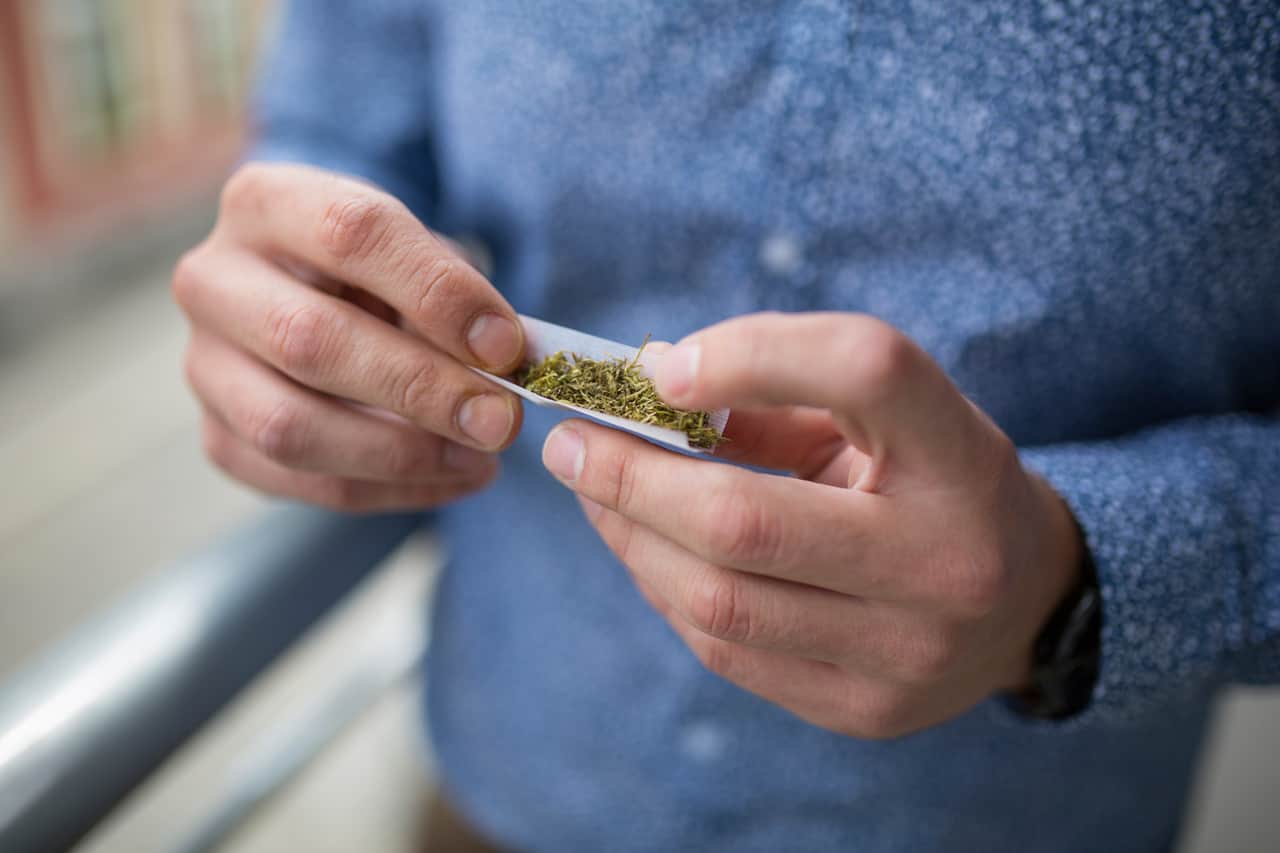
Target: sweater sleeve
column 346, row 86
column 1183, row 522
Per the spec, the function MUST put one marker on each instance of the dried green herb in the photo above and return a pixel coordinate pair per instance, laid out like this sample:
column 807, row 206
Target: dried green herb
column 615, row 386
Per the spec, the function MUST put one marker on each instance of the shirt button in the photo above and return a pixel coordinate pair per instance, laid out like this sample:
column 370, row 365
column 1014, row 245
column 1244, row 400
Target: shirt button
column 704, row 741
column 780, row 254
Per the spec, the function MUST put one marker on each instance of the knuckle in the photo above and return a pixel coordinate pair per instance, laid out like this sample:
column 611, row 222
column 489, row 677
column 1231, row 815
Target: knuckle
column 339, row 494
column 620, row 484
column 417, row 387
column 754, row 326
column 740, row 530
column 717, row 607
column 1004, row 450
column 279, row 433
column 403, row 461
column 408, row 459
column 216, row 444
column 245, row 189
column 353, row 227
column 426, row 497
column 438, row 282
column 300, row 337
column 749, row 361
column 191, row 369
column 621, row 537
column 880, row 357
column 932, row 656
column 995, row 460
column 188, row 277
column 719, row 658
column 878, row 715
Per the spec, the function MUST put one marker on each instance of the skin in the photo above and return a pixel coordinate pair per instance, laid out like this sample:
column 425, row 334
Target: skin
column 330, row 338
column 897, row 577
column 901, row 573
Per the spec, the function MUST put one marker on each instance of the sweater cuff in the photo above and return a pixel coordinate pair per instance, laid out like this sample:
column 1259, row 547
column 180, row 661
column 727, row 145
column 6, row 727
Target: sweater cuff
column 1169, row 566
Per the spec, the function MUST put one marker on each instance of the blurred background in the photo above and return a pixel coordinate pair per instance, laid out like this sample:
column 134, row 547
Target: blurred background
column 118, row 121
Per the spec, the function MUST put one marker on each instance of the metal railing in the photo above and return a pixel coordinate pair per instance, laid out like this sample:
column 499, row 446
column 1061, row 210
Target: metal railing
column 85, row 724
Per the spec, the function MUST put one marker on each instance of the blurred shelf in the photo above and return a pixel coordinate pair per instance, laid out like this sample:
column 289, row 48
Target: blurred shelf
column 113, row 108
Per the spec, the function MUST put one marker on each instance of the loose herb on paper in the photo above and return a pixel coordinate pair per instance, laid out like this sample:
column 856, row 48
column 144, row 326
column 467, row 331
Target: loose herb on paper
column 615, row 386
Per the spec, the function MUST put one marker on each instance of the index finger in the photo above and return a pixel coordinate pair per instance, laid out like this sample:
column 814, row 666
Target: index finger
column 761, row 523
column 364, row 237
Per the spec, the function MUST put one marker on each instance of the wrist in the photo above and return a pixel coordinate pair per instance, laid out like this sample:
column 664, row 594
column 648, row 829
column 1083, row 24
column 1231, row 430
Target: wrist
column 1066, row 654
column 1057, row 557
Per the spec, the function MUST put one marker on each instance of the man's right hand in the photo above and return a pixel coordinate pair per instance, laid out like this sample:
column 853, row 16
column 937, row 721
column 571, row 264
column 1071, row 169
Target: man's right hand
column 330, row 337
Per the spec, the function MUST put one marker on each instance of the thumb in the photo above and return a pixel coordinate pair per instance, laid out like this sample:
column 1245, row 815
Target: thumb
column 887, row 396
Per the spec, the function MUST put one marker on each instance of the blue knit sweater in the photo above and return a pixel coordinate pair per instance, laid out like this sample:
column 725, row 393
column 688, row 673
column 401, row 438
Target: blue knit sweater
column 1074, row 206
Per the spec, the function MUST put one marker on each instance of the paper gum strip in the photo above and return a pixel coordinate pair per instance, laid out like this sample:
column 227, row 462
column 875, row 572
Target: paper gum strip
column 544, row 339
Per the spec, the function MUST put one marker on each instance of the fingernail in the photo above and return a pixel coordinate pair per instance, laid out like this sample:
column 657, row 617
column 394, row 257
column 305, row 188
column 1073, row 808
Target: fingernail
column 459, row 457
column 677, row 371
column 564, row 453
column 495, row 341
column 487, row 419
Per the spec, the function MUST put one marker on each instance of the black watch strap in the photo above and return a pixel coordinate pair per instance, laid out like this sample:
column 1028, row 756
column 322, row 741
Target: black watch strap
column 1068, row 652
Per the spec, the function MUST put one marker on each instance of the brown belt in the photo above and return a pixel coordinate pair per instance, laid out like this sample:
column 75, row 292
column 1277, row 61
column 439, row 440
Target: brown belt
column 446, row 831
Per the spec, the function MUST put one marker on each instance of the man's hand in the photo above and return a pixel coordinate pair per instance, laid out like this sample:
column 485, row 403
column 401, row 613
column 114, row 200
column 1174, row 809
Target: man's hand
column 330, row 337
column 900, row 578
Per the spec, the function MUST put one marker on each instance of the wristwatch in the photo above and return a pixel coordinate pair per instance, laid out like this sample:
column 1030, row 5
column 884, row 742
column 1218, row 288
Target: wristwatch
column 1068, row 652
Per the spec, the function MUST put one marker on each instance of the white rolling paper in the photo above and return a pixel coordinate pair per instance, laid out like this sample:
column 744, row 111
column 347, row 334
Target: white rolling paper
column 544, row 339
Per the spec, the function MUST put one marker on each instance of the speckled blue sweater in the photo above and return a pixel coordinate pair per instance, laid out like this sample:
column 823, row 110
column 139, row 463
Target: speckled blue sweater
column 1074, row 206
